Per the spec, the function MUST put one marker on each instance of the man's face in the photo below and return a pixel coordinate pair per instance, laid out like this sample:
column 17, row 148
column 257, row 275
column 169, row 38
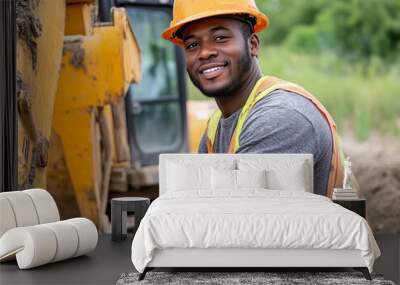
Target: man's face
column 218, row 58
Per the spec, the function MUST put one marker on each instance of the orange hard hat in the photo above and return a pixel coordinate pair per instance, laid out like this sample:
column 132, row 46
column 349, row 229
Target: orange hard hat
column 186, row 11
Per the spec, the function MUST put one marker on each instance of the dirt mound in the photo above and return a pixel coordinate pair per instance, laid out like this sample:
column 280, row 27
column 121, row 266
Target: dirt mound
column 376, row 164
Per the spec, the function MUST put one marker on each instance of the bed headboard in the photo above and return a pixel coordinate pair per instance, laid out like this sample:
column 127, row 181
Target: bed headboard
column 209, row 159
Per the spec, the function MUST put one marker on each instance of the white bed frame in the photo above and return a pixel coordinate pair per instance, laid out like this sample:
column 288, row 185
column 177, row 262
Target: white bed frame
column 234, row 257
column 250, row 258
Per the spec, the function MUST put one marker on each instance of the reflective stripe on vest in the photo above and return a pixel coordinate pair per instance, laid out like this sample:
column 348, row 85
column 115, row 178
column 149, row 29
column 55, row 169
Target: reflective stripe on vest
column 263, row 87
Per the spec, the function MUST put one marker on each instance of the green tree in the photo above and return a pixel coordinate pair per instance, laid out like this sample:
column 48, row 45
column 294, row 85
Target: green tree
column 356, row 29
column 284, row 15
column 361, row 28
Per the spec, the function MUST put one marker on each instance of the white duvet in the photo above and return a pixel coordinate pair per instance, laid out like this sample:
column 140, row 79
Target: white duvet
column 250, row 219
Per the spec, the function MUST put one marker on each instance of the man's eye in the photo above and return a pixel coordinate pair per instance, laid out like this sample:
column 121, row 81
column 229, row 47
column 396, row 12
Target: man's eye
column 220, row 38
column 191, row 45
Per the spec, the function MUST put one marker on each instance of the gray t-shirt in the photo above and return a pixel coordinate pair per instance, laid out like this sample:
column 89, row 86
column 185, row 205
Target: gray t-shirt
column 281, row 122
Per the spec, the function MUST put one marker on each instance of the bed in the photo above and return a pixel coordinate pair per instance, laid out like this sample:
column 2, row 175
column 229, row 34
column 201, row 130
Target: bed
column 247, row 210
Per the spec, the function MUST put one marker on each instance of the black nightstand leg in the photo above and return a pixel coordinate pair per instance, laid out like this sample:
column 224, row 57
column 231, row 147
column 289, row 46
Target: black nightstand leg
column 143, row 274
column 116, row 221
column 364, row 271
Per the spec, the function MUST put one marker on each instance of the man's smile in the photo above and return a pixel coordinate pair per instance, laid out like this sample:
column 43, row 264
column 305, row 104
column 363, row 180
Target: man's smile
column 212, row 70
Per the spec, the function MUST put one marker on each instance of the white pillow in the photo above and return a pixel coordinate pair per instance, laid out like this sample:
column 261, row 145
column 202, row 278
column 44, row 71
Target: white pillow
column 184, row 178
column 223, row 179
column 251, row 178
column 231, row 180
column 284, row 174
column 193, row 175
column 293, row 180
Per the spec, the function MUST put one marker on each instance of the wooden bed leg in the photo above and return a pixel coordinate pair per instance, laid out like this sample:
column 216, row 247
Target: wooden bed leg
column 143, row 274
column 364, row 271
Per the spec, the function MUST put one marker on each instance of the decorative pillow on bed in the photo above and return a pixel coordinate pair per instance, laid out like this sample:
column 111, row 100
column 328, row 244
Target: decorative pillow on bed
column 251, row 178
column 291, row 175
column 181, row 177
column 223, row 179
column 231, row 180
column 187, row 175
column 291, row 181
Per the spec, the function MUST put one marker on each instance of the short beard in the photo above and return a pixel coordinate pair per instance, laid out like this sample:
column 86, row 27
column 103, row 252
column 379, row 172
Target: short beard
column 244, row 66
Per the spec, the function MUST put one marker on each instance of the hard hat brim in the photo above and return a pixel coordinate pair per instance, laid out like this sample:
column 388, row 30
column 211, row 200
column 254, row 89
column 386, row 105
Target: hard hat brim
column 169, row 33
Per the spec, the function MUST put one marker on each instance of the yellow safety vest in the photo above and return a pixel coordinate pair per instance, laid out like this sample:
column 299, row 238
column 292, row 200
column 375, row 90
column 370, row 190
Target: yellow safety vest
column 263, row 87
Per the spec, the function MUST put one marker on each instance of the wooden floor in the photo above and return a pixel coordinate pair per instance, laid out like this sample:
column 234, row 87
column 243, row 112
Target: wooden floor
column 110, row 260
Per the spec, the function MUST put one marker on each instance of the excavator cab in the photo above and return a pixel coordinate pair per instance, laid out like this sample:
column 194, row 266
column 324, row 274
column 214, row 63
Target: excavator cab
column 156, row 106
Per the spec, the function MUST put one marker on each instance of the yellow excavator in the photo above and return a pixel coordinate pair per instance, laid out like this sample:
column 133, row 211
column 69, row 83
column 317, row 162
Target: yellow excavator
column 100, row 96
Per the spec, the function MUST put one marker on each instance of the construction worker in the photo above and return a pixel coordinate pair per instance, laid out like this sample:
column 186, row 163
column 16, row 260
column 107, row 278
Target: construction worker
column 257, row 113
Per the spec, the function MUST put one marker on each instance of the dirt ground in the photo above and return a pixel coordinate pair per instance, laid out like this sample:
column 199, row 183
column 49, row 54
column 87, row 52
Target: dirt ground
column 376, row 165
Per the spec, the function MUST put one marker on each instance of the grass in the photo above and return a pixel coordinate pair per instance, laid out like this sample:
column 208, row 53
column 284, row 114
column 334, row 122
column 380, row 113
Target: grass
column 364, row 96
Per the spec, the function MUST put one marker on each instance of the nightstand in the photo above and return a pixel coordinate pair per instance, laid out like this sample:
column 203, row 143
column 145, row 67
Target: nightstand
column 119, row 211
column 356, row 205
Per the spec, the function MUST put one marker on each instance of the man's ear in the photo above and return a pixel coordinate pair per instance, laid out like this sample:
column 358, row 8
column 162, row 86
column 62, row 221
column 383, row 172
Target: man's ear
column 254, row 44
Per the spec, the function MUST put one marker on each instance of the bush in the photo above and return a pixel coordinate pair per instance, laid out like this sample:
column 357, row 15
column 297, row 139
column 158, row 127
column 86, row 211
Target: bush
column 304, row 38
column 355, row 29
column 284, row 15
